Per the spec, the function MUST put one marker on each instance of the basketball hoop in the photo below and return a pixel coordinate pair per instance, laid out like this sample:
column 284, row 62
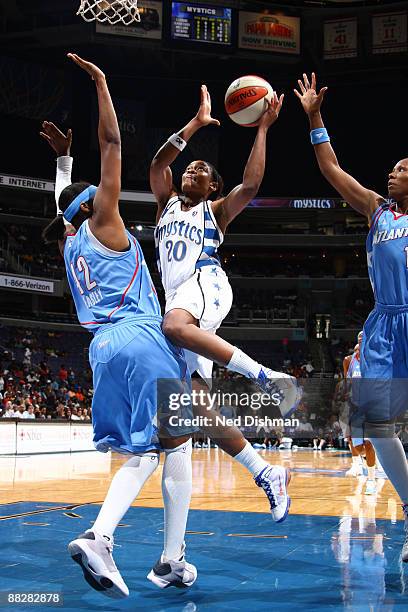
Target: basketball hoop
column 109, row 11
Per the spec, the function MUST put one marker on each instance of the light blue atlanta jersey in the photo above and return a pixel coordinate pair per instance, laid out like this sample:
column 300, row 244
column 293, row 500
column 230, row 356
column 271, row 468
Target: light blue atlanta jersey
column 185, row 241
column 354, row 370
column 108, row 286
column 387, row 256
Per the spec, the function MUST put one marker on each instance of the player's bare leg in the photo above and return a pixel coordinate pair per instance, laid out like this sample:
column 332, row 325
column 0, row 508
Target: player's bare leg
column 181, row 328
column 274, row 480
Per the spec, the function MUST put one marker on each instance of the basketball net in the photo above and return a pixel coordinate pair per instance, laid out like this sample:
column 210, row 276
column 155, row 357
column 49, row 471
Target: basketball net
column 109, row 11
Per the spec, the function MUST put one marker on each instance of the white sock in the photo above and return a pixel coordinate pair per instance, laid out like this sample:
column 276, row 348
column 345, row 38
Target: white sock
column 244, row 364
column 394, row 462
column 371, row 472
column 176, row 488
column 250, row 459
column 124, row 488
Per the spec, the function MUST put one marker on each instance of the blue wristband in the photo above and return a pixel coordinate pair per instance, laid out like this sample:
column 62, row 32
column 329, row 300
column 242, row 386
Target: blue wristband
column 319, row 135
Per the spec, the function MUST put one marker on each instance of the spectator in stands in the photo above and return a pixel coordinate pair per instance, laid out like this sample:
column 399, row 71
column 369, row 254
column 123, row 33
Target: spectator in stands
column 403, row 436
column 75, row 416
column 27, row 357
column 305, row 429
column 63, row 373
column 18, row 411
column 1, row 382
column 308, row 368
column 9, row 411
column 85, row 415
column 29, row 413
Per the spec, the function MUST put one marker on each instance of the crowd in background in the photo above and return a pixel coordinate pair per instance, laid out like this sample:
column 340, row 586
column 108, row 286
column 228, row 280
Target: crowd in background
column 35, row 382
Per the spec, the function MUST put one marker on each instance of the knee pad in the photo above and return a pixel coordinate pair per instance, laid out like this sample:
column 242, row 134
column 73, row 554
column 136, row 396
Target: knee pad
column 379, row 430
column 186, row 449
column 134, row 462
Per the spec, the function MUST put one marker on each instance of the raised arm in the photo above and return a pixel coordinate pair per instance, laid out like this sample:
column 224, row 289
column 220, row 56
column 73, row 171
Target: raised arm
column 106, row 222
column 364, row 200
column 226, row 209
column 161, row 178
column 61, row 143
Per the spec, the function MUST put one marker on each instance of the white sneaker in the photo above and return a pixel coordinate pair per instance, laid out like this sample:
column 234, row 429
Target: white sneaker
column 173, row 573
column 93, row 552
column 283, row 389
column 274, row 480
column 371, row 487
column 355, row 470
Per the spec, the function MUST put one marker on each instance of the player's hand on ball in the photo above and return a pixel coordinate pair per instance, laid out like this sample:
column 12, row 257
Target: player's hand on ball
column 308, row 96
column 272, row 112
column 95, row 72
column 204, row 112
column 60, row 142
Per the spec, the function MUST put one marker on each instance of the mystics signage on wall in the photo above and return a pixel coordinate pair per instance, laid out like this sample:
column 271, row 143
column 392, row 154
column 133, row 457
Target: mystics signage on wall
column 266, row 32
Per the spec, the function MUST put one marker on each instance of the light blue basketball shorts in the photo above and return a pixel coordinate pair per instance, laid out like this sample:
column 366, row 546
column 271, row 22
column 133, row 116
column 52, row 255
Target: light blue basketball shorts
column 127, row 359
column 381, row 394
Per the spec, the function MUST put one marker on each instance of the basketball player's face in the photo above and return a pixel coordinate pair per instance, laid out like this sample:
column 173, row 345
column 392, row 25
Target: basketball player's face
column 398, row 180
column 197, row 180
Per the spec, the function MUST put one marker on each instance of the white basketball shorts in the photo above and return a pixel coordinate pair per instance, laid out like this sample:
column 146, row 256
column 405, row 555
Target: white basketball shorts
column 207, row 295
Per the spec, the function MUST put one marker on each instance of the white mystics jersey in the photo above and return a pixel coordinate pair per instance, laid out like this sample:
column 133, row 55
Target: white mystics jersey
column 185, row 241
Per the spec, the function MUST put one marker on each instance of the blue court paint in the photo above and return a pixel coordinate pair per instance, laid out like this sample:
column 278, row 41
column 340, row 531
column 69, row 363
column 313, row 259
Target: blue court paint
column 324, row 563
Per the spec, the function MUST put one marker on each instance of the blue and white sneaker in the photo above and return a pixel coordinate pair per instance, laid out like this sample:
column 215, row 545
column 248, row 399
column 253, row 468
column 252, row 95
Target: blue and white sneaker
column 274, row 480
column 284, row 390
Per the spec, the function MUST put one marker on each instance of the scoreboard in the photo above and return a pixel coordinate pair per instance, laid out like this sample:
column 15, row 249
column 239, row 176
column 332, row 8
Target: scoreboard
column 201, row 23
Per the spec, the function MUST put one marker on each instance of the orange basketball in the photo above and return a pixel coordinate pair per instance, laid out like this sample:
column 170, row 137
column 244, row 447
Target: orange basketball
column 247, row 99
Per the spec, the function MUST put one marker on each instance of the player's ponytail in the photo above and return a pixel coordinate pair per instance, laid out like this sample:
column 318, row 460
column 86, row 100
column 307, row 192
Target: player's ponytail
column 54, row 231
column 217, row 178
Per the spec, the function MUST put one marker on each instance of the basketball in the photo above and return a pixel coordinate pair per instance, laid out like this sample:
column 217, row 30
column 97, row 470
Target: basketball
column 246, row 99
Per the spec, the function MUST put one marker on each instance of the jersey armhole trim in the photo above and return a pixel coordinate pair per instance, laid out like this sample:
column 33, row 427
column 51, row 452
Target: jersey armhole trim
column 211, row 212
column 377, row 214
column 101, row 248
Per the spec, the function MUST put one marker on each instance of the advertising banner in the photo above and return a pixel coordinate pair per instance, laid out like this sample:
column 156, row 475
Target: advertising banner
column 266, row 32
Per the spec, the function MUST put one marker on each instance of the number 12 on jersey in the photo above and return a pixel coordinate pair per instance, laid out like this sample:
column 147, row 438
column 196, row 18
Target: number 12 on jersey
column 82, row 266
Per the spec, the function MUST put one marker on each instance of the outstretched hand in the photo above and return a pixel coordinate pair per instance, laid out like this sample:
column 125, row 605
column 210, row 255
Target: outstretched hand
column 204, row 112
column 272, row 112
column 95, row 72
column 309, row 98
column 60, row 142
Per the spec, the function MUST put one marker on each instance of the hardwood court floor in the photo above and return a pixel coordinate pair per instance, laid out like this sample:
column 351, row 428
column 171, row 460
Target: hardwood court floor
column 318, row 486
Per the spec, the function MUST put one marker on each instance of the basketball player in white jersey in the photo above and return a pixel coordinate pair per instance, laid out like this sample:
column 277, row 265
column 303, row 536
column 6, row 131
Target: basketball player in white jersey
column 191, row 224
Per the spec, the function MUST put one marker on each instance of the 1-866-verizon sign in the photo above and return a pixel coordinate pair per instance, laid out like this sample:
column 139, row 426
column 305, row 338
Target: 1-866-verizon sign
column 36, row 285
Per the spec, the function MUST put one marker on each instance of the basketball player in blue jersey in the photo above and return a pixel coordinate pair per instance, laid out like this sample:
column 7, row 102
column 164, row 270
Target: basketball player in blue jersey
column 197, row 224
column 384, row 350
column 115, row 299
column 191, row 224
column 358, row 446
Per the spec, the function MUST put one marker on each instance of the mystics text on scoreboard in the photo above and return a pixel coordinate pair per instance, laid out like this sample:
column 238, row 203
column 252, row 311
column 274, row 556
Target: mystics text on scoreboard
column 194, row 22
